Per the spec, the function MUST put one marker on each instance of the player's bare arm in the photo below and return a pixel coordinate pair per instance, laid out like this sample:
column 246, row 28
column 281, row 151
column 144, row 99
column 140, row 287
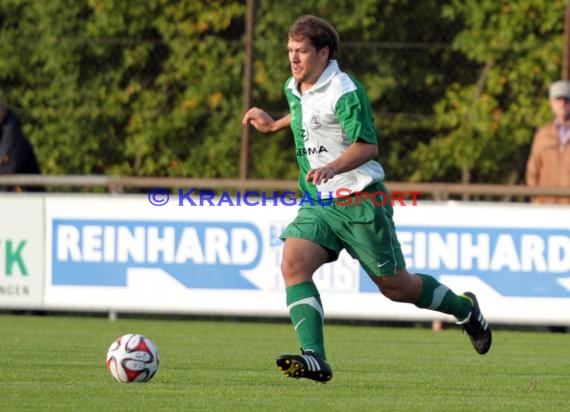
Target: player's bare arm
column 259, row 119
column 356, row 155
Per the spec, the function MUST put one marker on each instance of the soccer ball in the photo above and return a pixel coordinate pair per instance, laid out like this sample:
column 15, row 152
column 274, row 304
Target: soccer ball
column 132, row 358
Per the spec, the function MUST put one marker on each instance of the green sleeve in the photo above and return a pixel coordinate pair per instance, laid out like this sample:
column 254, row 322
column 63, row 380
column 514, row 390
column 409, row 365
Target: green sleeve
column 354, row 113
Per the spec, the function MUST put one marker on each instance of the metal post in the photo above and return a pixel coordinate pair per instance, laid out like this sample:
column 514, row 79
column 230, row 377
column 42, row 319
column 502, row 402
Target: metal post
column 247, row 86
column 566, row 51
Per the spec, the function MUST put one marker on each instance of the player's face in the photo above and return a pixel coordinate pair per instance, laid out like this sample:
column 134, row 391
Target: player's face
column 307, row 63
column 561, row 109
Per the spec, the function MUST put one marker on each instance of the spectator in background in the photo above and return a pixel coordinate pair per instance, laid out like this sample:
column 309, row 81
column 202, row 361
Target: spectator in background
column 549, row 161
column 16, row 152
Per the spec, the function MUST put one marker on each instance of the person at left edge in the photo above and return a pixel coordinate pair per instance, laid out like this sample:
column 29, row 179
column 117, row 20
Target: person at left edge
column 17, row 155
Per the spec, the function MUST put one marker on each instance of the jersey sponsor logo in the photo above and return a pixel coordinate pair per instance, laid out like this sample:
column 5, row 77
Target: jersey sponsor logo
column 196, row 254
column 310, row 151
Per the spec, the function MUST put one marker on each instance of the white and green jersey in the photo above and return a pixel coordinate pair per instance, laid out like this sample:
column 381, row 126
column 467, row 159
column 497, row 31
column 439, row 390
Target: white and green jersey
column 325, row 120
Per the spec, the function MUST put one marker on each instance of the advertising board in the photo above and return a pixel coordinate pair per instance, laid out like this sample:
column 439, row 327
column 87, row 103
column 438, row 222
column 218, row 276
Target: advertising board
column 123, row 253
column 21, row 251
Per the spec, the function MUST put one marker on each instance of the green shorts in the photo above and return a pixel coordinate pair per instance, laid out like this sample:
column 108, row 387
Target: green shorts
column 365, row 230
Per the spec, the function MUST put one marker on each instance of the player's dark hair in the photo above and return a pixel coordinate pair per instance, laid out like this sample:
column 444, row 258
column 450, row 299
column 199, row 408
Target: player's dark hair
column 319, row 32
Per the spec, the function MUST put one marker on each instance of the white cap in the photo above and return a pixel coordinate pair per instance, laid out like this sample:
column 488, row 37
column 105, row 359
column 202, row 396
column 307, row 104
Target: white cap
column 561, row 88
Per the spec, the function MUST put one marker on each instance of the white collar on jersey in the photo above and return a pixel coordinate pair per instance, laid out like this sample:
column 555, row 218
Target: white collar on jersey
column 325, row 77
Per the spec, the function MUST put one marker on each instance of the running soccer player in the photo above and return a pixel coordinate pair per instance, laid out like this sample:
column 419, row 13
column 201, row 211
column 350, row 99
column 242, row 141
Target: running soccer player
column 336, row 144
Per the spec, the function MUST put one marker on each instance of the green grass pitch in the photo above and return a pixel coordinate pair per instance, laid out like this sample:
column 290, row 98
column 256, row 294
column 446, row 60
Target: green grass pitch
column 57, row 363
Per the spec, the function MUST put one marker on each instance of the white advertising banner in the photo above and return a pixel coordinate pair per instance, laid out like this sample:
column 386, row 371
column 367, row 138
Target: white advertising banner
column 21, row 251
column 223, row 257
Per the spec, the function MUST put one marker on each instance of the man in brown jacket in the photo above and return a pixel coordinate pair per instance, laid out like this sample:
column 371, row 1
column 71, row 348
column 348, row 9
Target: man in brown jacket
column 549, row 161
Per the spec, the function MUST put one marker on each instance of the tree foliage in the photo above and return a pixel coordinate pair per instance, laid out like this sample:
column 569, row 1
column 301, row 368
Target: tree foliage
column 486, row 125
column 155, row 88
column 133, row 88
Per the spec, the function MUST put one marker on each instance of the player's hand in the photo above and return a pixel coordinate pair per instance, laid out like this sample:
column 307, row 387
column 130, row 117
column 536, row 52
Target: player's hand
column 258, row 119
column 320, row 175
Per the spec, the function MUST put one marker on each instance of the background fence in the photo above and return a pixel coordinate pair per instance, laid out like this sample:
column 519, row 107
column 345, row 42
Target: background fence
column 122, row 184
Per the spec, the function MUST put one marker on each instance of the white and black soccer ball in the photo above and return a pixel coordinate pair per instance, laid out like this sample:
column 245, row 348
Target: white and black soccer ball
column 132, row 358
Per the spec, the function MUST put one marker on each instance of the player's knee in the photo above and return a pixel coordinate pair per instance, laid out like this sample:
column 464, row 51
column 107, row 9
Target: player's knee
column 396, row 288
column 290, row 267
column 394, row 294
column 295, row 271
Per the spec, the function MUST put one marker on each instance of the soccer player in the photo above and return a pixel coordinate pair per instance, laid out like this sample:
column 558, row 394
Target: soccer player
column 336, row 144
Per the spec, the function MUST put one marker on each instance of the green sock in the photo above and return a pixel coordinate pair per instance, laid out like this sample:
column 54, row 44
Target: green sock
column 307, row 316
column 438, row 297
